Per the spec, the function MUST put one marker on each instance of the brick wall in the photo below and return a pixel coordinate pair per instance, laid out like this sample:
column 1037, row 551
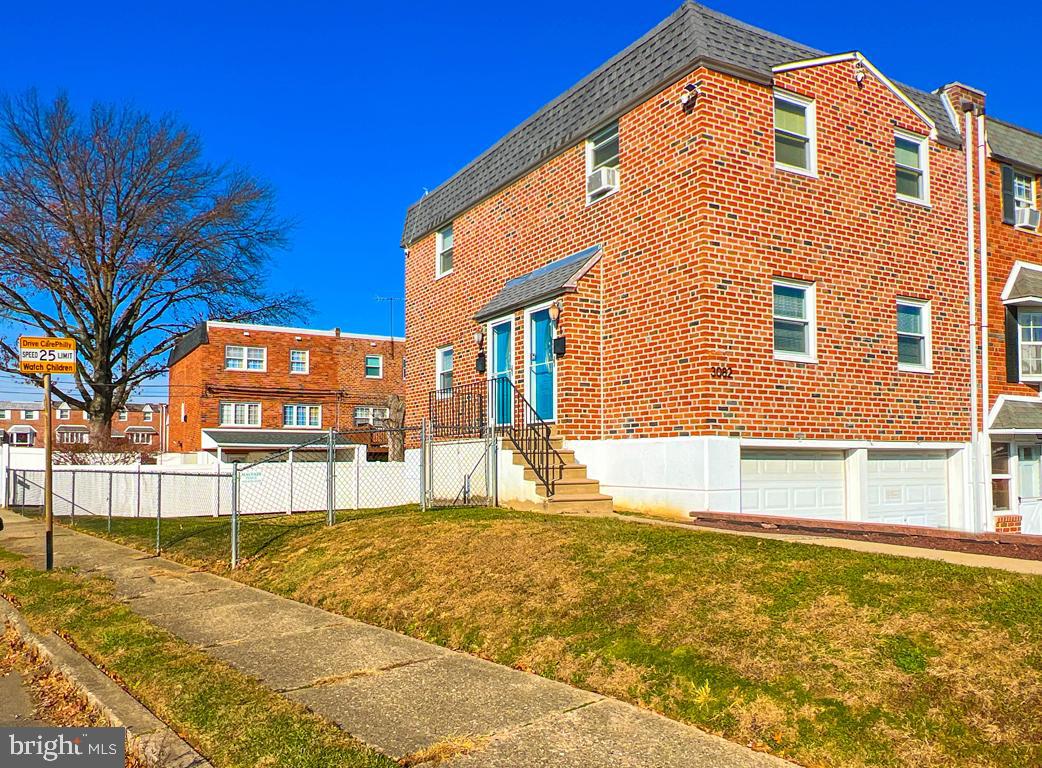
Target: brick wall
column 700, row 225
column 336, row 379
column 1007, row 523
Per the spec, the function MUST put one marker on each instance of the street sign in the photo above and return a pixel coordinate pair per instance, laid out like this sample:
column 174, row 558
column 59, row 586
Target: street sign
column 42, row 354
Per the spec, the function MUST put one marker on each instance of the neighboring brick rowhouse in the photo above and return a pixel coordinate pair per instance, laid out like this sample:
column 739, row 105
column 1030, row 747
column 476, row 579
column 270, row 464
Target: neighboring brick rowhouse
column 144, row 419
column 700, row 225
column 335, row 379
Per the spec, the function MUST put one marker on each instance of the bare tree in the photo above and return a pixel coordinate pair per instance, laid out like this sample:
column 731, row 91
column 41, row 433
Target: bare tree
column 394, row 422
column 115, row 231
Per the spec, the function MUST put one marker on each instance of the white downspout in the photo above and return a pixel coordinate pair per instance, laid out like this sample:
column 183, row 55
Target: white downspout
column 972, row 519
column 987, row 519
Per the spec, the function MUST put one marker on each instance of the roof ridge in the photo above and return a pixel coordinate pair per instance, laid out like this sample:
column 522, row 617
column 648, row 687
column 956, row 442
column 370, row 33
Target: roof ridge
column 732, row 21
column 685, row 7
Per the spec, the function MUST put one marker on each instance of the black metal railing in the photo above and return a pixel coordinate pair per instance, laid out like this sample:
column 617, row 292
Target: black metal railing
column 468, row 410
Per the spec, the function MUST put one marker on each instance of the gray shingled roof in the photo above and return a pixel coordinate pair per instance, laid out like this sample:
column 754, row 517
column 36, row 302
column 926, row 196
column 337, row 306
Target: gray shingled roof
column 1011, row 142
column 1018, row 414
column 692, row 35
column 1027, row 285
column 194, row 338
column 270, row 438
column 539, row 285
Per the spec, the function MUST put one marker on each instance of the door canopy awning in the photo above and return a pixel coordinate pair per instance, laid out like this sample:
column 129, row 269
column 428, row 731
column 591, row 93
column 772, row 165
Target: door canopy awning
column 1020, row 416
column 543, row 284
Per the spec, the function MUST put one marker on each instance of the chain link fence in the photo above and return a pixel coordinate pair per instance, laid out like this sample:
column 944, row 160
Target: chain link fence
column 334, row 474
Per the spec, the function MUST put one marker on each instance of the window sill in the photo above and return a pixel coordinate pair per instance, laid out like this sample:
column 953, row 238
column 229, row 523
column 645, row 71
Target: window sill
column 1026, row 230
column 915, row 201
column 914, row 369
column 300, row 373
column 374, row 378
column 1030, row 379
column 246, row 370
column 792, row 357
column 237, row 426
column 810, row 174
column 439, row 276
column 309, row 429
column 605, row 196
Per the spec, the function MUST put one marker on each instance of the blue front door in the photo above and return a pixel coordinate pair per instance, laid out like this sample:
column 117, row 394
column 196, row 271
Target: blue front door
column 502, row 371
column 541, row 364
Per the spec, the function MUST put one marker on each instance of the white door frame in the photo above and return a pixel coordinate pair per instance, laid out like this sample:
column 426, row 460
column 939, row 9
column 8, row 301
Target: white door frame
column 492, row 357
column 529, row 311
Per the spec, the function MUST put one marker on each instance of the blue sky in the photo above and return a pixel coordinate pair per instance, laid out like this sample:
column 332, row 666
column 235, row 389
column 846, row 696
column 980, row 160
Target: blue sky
column 351, row 109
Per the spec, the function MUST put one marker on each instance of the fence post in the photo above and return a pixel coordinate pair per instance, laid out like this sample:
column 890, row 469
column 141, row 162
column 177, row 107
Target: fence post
column 72, row 512
column 235, row 514
column 159, row 512
column 423, row 465
column 109, row 526
column 217, row 479
column 330, row 469
column 289, row 509
column 137, row 496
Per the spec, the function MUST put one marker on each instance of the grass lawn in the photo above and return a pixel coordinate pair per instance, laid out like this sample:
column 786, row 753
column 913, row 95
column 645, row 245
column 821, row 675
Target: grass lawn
column 826, row 656
column 232, row 720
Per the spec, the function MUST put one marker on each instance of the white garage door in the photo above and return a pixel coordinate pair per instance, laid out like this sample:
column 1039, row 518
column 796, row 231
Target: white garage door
column 908, row 488
column 793, row 483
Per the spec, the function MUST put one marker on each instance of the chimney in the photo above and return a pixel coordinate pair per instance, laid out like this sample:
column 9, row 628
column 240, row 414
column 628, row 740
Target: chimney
column 958, row 94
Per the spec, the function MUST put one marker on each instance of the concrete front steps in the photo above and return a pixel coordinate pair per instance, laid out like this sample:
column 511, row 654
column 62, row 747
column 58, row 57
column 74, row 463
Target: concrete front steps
column 574, row 491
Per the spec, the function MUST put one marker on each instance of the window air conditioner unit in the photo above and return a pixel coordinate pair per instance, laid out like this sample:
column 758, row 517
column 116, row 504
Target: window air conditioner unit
column 1028, row 217
column 602, row 180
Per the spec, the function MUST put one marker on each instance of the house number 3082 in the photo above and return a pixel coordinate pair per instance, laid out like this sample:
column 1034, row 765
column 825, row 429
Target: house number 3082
column 722, row 372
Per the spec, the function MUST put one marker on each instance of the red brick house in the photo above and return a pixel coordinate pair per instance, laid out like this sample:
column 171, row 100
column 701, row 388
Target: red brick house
column 139, row 423
column 730, row 273
column 237, row 390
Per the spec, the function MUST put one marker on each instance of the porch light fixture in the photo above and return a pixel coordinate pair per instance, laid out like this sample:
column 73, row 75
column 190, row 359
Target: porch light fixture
column 555, row 315
column 480, row 361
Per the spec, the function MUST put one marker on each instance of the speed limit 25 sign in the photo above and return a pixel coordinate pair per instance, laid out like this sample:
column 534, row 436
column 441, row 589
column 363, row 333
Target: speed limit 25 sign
column 43, row 354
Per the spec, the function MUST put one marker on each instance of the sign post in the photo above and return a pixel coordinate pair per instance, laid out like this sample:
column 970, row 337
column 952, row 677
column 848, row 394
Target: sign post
column 45, row 356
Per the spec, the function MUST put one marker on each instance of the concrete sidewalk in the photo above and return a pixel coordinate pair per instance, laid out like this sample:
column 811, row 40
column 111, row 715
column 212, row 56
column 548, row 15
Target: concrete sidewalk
column 398, row 694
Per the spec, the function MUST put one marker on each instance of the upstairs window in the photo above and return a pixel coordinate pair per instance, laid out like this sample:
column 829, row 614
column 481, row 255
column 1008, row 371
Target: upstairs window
column 911, row 162
column 913, row 335
column 444, row 248
column 29, row 415
column 299, row 361
column 3, row 413
column 238, row 358
column 443, row 367
column 374, row 366
column 124, row 415
column 794, row 335
column 795, row 144
column 301, row 416
column 146, row 415
column 1023, row 190
column 602, row 163
column 63, row 414
column 1019, row 198
column 1030, row 332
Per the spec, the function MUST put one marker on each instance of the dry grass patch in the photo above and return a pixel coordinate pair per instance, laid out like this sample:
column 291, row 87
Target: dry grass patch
column 445, row 750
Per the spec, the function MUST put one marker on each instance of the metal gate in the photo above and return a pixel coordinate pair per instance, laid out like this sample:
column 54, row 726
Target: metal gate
column 459, row 469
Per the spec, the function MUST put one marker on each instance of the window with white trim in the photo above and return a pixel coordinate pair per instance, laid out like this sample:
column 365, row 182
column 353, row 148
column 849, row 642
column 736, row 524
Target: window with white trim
column 23, row 438
column 443, row 363
column 240, row 414
column 367, row 415
column 911, row 161
column 124, row 415
column 295, row 415
column 443, row 244
column 1000, row 477
column 795, row 134
column 240, row 358
column 1023, row 189
column 913, row 335
column 72, row 438
column 602, row 151
column 793, row 315
column 299, row 361
column 374, row 366
column 146, row 415
column 29, row 415
column 3, row 413
column 1030, row 328
column 63, row 414
column 141, row 438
